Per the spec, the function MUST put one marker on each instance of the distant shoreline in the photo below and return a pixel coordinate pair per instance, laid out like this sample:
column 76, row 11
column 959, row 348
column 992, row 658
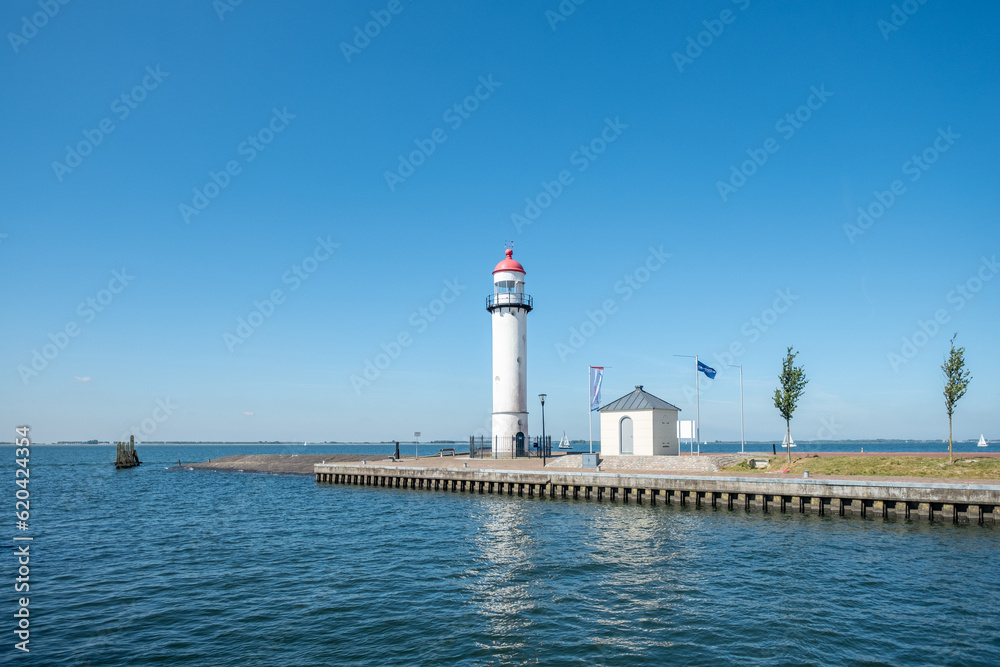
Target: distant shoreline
column 223, row 444
column 86, row 443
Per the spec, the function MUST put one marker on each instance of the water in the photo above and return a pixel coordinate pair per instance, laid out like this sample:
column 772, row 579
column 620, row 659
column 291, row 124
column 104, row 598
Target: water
column 152, row 566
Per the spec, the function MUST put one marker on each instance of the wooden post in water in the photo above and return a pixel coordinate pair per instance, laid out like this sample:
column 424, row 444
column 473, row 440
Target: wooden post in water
column 125, row 454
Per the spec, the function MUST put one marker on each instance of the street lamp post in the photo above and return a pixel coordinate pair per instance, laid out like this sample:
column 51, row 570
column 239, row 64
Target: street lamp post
column 541, row 397
column 416, row 444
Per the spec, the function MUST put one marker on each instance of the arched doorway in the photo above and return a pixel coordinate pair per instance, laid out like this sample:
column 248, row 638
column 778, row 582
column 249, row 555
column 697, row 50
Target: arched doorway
column 519, row 444
column 625, row 435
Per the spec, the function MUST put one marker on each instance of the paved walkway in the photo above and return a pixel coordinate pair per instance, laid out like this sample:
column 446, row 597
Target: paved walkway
column 302, row 464
column 281, row 464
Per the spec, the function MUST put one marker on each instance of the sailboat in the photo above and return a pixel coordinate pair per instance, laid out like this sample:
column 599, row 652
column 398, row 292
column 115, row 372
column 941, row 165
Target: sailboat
column 564, row 443
column 784, row 443
column 983, row 442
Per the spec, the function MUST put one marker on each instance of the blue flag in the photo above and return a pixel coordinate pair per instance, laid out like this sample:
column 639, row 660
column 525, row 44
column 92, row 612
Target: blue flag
column 596, row 379
column 707, row 370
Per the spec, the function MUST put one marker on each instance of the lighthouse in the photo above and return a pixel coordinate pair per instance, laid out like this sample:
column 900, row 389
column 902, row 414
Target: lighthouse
column 509, row 307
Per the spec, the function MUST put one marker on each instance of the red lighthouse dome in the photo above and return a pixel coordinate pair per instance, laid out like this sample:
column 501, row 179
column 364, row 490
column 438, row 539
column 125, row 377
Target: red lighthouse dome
column 509, row 264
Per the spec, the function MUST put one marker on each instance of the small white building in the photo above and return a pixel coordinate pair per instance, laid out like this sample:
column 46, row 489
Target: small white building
column 639, row 424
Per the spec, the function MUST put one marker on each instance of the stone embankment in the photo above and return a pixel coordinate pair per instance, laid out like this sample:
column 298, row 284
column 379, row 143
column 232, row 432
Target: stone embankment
column 704, row 463
column 949, row 502
column 684, row 480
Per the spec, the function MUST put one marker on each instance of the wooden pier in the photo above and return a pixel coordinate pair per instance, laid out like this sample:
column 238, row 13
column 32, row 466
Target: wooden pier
column 947, row 502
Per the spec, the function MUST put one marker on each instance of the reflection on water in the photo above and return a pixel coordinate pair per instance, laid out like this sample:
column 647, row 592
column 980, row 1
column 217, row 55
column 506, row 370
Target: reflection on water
column 636, row 550
column 502, row 569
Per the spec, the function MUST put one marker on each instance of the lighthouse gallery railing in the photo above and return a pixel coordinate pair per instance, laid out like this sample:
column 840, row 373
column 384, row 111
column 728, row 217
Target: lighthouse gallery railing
column 515, row 299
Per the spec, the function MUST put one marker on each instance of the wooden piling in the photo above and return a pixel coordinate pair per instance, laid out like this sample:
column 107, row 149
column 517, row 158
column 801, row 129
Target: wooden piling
column 126, row 456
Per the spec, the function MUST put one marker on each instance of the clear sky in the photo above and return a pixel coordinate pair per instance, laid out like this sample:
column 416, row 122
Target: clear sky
column 823, row 175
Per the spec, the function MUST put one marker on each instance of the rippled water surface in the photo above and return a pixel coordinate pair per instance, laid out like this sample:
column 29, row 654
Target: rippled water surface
column 153, row 566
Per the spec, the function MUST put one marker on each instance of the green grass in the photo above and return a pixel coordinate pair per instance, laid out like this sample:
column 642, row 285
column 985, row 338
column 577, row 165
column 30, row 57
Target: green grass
column 966, row 467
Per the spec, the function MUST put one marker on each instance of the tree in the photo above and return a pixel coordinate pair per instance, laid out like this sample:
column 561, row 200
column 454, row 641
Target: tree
column 956, row 382
column 793, row 381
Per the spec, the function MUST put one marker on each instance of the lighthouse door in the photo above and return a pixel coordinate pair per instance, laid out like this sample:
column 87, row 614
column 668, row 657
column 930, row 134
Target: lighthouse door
column 519, row 444
column 626, row 435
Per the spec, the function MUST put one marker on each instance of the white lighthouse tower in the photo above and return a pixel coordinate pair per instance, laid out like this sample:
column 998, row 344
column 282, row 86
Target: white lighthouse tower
column 509, row 307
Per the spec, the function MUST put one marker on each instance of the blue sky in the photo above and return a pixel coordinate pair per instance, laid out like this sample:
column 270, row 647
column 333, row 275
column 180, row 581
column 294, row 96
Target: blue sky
column 215, row 159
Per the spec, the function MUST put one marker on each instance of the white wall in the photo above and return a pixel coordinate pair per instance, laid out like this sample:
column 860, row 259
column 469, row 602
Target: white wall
column 642, row 432
column 665, row 433
column 654, row 432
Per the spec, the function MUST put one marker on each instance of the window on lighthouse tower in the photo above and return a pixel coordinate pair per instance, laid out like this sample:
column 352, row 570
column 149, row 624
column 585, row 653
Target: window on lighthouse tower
column 505, row 286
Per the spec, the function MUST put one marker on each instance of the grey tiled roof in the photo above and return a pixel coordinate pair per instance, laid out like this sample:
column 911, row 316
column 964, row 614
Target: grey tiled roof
column 638, row 400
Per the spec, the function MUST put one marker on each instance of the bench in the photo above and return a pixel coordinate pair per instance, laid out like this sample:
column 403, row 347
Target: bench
column 450, row 451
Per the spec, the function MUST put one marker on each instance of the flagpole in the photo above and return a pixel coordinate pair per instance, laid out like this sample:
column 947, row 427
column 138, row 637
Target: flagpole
column 590, row 413
column 697, row 399
column 742, row 438
column 591, row 397
column 590, row 423
column 697, row 406
column 743, row 441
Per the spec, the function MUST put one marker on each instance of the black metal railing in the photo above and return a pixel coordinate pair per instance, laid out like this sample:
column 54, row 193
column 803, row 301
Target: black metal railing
column 542, row 449
column 509, row 447
column 508, row 299
column 480, row 447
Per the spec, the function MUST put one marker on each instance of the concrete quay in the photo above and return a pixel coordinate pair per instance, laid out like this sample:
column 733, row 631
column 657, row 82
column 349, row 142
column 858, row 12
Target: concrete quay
column 276, row 464
column 908, row 499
